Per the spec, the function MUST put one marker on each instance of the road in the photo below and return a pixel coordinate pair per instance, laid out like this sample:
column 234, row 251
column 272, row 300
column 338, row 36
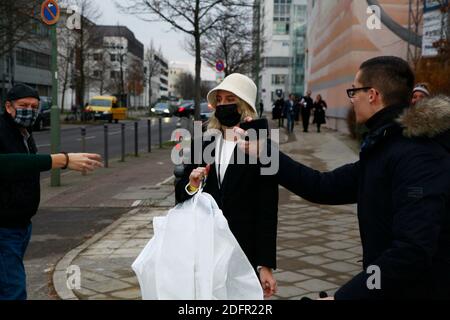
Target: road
column 71, row 138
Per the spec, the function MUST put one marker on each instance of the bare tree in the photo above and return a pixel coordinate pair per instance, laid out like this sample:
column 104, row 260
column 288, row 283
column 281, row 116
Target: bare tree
column 153, row 68
column 18, row 23
column 101, row 69
column 85, row 39
column 231, row 41
column 135, row 79
column 193, row 17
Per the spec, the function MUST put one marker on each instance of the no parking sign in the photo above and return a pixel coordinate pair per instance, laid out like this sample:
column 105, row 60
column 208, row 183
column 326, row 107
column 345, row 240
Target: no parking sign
column 50, row 12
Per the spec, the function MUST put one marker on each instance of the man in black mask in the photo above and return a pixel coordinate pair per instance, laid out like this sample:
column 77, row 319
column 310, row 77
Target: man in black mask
column 19, row 196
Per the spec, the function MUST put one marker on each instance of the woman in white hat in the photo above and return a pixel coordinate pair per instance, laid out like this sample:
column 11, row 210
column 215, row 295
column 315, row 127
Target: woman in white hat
column 248, row 199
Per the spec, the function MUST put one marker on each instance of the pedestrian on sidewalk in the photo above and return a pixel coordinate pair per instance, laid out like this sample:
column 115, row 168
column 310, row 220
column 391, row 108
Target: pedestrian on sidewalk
column 307, row 104
column 261, row 109
column 297, row 108
column 20, row 191
column 289, row 111
column 319, row 112
column 401, row 185
column 248, row 199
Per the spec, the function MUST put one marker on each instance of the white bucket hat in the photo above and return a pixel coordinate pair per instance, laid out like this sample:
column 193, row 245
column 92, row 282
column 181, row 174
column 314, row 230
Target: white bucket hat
column 238, row 84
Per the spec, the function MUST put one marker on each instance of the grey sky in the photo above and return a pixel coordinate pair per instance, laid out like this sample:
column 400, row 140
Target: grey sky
column 164, row 37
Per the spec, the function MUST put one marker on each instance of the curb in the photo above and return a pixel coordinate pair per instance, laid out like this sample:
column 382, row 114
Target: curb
column 59, row 277
column 60, row 272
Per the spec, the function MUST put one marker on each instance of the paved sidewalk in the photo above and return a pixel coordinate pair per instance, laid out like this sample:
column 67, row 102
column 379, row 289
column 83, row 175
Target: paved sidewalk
column 318, row 246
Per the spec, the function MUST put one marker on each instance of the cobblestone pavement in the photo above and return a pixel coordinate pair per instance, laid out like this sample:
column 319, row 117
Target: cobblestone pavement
column 318, row 246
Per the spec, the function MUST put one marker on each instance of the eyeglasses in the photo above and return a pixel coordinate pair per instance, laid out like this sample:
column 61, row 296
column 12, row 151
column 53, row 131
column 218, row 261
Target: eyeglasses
column 352, row 92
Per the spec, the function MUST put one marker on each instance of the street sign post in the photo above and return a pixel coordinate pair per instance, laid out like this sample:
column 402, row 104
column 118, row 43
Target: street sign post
column 220, row 66
column 50, row 13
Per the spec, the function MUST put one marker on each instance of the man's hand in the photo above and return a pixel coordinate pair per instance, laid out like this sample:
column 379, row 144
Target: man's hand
column 84, row 162
column 252, row 148
column 268, row 282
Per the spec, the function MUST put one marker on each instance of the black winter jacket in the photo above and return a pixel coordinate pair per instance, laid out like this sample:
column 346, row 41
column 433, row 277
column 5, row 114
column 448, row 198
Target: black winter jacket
column 402, row 187
column 20, row 194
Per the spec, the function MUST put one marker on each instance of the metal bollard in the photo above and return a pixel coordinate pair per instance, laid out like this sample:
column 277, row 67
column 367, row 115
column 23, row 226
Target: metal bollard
column 136, row 139
column 83, row 139
column 149, row 135
column 160, row 132
column 122, row 125
column 105, row 127
column 83, row 144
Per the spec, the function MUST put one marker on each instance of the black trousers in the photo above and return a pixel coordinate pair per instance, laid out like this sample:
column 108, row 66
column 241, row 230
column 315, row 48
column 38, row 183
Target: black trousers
column 305, row 119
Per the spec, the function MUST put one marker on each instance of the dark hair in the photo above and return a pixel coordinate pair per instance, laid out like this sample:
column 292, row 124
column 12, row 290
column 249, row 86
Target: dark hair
column 392, row 76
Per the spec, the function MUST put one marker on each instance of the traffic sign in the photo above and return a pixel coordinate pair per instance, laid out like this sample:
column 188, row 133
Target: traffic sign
column 50, row 12
column 220, row 66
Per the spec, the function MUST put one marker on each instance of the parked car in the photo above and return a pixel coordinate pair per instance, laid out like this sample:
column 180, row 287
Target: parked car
column 44, row 114
column 163, row 109
column 206, row 112
column 185, row 109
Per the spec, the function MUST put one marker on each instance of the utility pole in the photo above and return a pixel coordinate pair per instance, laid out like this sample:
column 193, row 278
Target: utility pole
column 55, row 113
column 258, row 48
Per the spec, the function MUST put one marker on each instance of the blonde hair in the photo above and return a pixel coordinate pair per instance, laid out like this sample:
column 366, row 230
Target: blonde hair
column 243, row 107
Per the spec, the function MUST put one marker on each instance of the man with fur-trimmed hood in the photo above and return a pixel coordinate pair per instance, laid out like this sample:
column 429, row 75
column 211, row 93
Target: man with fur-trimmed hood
column 401, row 185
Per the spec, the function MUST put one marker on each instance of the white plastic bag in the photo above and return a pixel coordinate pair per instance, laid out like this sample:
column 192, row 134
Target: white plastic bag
column 194, row 256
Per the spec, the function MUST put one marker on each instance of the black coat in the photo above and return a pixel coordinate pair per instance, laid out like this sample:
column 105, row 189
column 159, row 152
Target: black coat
column 249, row 202
column 19, row 195
column 306, row 109
column 402, row 188
column 319, row 112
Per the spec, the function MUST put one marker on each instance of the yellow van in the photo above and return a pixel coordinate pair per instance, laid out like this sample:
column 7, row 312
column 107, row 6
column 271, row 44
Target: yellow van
column 106, row 108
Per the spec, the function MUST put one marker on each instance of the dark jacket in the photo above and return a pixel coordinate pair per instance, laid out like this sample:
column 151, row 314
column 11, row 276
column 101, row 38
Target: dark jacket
column 306, row 106
column 319, row 112
column 249, row 202
column 402, row 187
column 19, row 195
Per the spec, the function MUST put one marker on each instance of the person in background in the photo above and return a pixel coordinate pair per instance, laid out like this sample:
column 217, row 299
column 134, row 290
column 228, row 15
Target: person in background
column 289, row 111
column 420, row 92
column 319, row 111
column 306, row 106
column 261, row 109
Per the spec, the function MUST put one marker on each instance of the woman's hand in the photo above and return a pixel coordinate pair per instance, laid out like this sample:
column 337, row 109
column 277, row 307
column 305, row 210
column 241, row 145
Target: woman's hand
column 268, row 282
column 197, row 176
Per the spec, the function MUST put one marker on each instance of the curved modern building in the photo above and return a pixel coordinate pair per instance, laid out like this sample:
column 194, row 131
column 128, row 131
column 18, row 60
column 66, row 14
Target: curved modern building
column 339, row 40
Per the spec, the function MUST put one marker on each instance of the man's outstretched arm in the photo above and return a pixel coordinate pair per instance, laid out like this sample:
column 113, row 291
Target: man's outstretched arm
column 332, row 188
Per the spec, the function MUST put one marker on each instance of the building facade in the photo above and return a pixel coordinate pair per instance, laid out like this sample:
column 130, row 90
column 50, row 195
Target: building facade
column 175, row 71
column 156, row 71
column 30, row 63
column 341, row 35
column 282, row 31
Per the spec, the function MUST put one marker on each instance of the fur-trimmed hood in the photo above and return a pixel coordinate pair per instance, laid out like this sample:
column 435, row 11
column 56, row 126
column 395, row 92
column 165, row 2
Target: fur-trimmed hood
column 429, row 118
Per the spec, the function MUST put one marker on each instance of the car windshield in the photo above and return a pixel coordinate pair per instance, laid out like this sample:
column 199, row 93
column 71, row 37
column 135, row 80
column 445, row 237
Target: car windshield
column 100, row 103
column 161, row 106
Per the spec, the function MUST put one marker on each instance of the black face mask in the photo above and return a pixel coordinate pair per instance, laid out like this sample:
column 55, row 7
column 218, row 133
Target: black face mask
column 228, row 115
